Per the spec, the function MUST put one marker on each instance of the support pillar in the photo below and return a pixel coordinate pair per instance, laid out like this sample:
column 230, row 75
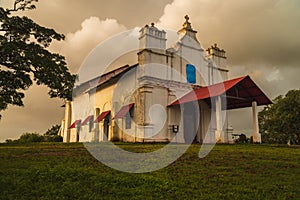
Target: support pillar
column 68, row 116
column 96, row 134
column 146, row 103
column 220, row 137
column 256, row 134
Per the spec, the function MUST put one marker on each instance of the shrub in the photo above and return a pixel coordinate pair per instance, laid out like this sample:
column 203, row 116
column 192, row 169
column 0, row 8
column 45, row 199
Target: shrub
column 31, row 137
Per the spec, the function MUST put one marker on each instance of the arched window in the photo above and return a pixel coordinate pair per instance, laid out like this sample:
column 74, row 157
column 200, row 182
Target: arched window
column 97, row 112
column 191, row 73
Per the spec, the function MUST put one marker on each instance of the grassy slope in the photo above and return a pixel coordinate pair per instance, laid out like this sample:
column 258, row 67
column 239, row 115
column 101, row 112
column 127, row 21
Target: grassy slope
column 68, row 171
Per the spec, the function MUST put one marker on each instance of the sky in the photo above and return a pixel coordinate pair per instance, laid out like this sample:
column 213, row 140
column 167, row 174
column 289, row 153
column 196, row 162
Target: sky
column 261, row 38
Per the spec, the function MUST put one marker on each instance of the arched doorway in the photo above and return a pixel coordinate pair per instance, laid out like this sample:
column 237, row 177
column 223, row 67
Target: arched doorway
column 190, row 121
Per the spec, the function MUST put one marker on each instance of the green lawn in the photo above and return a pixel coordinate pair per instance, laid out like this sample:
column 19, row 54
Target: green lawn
column 68, row 171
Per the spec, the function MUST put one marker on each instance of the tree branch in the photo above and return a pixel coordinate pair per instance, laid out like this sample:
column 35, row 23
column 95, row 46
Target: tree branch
column 23, row 5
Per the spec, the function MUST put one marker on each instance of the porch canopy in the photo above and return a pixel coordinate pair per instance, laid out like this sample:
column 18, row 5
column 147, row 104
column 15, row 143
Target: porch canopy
column 102, row 116
column 123, row 111
column 75, row 124
column 87, row 120
column 239, row 93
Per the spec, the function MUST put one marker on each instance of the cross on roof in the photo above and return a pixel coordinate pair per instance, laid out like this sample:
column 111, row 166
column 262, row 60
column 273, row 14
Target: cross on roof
column 187, row 18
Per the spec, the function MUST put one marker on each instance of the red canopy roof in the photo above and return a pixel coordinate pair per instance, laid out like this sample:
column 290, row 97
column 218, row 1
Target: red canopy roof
column 239, row 93
column 123, row 111
column 102, row 116
column 75, row 124
column 89, row 118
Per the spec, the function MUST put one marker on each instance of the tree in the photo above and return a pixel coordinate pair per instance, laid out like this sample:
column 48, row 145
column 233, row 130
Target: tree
column 51, row 134
column 53, row 130
column 280, row 122
column 24, row 58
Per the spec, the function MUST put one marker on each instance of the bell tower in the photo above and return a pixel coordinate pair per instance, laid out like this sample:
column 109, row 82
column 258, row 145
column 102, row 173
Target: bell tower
column 218, row 56
column 152, row 38
column 152, row 45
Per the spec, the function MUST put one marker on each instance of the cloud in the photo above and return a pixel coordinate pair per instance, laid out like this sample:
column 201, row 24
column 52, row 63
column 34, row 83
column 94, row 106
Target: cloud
column 116, row 51
column 66, row 15
column 261, row 37
column 78, row 45
column 252, row 31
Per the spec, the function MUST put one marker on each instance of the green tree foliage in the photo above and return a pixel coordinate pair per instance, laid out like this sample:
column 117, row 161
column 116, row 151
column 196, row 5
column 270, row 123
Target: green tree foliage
column 24, row 58
column 30, row 137
column 280, row 122
column 52, row 138
column 49, row 136
column 53, row 130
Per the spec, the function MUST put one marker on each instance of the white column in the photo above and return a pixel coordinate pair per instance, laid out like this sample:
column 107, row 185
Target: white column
column 96, row 132
column 62, row 128
column 68, row 116
column 219, row 128
column 146, row 91
column 256, row 134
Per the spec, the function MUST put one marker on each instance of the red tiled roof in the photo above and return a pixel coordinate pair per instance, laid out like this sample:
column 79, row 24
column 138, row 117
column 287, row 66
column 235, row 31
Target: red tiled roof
column 100, row 80
column 240, row 92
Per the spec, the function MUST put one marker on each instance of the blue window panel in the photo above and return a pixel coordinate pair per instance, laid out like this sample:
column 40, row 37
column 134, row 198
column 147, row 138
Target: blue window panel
column 191, row 73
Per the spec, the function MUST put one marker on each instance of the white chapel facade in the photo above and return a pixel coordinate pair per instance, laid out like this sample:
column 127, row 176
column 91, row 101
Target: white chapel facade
column 178, row 94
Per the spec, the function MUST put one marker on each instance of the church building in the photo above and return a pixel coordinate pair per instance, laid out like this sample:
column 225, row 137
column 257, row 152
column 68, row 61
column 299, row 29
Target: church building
column 177, row 94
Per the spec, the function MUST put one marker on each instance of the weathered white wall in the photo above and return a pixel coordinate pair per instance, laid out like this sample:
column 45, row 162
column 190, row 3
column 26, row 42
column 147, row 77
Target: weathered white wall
column 82, row 107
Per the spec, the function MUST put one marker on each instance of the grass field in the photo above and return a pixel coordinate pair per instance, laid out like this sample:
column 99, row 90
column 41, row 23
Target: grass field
column 68, row 171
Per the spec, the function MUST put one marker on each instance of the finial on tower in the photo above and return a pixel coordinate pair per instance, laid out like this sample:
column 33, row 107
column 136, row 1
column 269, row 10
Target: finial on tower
column 187, row 29
column 187, row 25
column 186, row 18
